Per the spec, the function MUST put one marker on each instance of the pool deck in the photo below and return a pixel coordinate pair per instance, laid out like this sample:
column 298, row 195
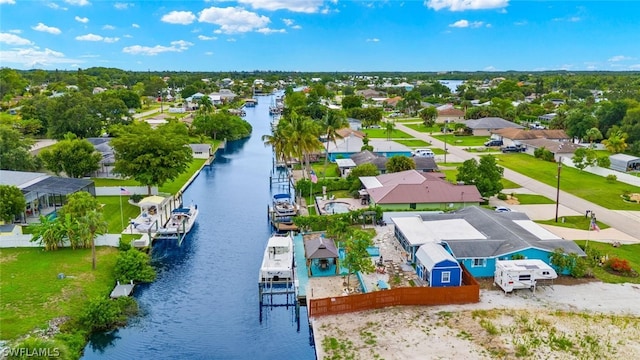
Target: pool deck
column 354, row 204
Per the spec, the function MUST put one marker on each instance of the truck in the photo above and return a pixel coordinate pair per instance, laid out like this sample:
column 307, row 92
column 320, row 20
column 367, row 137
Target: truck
column 522, row 274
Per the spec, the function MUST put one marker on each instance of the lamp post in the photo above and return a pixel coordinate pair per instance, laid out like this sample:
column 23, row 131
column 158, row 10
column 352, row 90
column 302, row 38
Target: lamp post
column 558, row 187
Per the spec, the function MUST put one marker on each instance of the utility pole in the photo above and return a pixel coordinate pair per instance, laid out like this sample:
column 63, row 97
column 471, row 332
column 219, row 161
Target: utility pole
column 446, row 126
column 558, row 187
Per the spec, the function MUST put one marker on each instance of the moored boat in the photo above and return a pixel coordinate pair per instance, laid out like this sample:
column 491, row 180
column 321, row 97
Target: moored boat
column 283, row 206
column 277, row 263
column 181, row 220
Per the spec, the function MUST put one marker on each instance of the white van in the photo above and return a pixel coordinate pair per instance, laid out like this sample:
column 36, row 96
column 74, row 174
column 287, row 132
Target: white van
column 428, row 153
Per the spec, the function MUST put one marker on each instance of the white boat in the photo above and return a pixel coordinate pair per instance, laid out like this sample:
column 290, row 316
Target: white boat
column 283, row 206
column 277, row 263
column 181, row 220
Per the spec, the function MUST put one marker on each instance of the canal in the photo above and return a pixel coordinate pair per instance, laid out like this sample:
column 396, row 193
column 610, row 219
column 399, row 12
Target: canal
column 204, row 303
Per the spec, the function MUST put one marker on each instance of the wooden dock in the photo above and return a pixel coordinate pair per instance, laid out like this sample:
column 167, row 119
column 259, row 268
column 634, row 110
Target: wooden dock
column 121, row 290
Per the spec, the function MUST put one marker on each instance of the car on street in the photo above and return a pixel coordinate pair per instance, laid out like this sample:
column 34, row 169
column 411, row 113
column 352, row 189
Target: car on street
column 428, row 153
column 502, row 209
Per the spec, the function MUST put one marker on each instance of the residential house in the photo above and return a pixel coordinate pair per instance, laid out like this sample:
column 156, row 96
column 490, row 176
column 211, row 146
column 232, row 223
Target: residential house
column 485, row 126
column 107, row 163
column 369, row 93
column 450, row 114
column 423, row 164
column 352, row 142
column 515, row 136
column 414, row 190
column 477, row 237
column 559, row 149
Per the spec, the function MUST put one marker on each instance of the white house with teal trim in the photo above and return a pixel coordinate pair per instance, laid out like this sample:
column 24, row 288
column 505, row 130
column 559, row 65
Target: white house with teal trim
column 352, row 144
column 477, row 237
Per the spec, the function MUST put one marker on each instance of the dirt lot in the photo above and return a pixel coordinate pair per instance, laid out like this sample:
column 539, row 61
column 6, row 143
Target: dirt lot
column 591, row 320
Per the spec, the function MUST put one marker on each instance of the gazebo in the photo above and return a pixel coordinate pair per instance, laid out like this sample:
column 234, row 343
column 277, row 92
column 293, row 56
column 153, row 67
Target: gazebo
column 322, row 256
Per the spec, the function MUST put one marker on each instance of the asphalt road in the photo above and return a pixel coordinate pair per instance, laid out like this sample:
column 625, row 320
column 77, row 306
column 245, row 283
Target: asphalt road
column 627, row 222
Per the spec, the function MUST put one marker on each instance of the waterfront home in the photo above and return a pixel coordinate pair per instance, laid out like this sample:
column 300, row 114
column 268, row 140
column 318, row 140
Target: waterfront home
column 352, row 143
column 414, row 190
column 478, row 237
column 484, row 126
column 423, row 164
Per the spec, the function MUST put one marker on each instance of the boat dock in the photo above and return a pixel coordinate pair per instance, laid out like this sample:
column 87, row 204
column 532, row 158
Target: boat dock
column 121, row 290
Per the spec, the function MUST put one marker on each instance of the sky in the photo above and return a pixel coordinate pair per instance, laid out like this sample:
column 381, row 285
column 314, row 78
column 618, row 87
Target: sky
column 323, row 36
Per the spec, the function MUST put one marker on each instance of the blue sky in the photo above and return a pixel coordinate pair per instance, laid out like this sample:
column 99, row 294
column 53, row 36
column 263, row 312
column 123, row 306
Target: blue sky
column 316, row 35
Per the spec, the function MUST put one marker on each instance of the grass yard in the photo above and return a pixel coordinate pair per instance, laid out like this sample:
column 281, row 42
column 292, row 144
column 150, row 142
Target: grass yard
column 508, row 184
column 111, row 210
column 407, row 120
column 573, row 222
column 382, row 133
column 533, row 199
column 425, row 129
column 450, row 175
column 413, row 143
column 332, row 170
column 593, row 188
column 32, row 294
column 630, row 253
column 462, row 140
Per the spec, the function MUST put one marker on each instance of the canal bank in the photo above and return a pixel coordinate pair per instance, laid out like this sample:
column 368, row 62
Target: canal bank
column 204, row 303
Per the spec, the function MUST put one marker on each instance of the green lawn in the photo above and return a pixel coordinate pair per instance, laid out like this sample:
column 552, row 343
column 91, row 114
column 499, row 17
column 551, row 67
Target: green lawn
column 593, row 188
column 382, row 133
column 111, row 211
column 573, row 222
column 171, row 187
column 450, row 175
column 462, row 140
column 630, row 253
column 32, row 294
column 405, row 120
column 508, row 184
column 532, row 199
column 414, row 143
column 425, row 129
column 332, row 169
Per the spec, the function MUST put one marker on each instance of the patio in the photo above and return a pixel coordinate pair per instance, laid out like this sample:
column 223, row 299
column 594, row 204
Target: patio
column 324, row 205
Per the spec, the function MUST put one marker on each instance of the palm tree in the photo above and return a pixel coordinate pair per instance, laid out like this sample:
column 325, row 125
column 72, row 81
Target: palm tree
column 92, row 224
column 389, row 126
column 48, row 232
column 592, row 135
column 617, row 142
column 206, row 106
column 302, row 135
column 332, row 122
column 278, row 141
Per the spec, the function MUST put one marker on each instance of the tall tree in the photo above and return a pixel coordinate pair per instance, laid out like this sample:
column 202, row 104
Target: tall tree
column 75, row 157
column 14, row 151
column 86, row 211
column 12, row 202
column 429, row 116
column 389, row 126
column 151, row 156
column 356, row 258
column 333, row 121
column 592, row 135
column 616, row 143
column 485, row 175
column 400, row 163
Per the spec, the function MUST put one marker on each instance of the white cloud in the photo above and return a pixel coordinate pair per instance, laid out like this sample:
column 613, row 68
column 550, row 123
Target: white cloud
column 108, row 27
column 94, row 37
column 297, row 27
column 303, row 6
column 179, row 17
column 12, row 39
column 135, row 26
column 83, row 20
column 465, row 24
column 127, row 36
column 231, row 40
column 462, row 5
column 34, row 57
column 268, row 31
column 233, row 20
column 619, row 58
column 489, row 68
column 205, row 38
column 122, row 6
column 16, row 31
column 634, row 67
column 78, row 2
column 55, row 6
column 287, row 22
column 9, row 2
column 48, row 29
column 176, row 46
column 373, row 40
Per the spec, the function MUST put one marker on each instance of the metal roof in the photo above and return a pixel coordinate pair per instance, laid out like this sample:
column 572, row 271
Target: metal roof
column 59, row 185
column 20, row 179
column 432, row 254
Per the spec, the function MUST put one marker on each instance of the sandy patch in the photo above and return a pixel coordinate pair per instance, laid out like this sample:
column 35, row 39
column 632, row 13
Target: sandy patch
column 592, row 320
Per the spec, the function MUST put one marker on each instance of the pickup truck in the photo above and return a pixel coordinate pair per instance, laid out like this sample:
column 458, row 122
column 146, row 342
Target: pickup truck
column 512, row 148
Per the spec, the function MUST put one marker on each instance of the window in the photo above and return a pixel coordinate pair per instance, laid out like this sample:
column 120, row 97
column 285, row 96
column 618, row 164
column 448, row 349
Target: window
column 412, row 206
column 478, row 263
column 446, row 276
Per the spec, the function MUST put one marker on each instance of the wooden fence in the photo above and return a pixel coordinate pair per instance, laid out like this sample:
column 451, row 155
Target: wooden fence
column 469, row 292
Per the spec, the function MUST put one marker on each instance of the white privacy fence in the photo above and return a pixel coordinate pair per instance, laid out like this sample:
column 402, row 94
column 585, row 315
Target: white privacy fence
column 14, row 241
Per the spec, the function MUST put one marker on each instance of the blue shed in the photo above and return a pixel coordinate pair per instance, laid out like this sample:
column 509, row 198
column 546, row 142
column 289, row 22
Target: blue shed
column 437, row 267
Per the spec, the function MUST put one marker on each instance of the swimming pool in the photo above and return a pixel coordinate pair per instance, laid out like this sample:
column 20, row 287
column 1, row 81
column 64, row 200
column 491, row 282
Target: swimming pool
column 336, row 207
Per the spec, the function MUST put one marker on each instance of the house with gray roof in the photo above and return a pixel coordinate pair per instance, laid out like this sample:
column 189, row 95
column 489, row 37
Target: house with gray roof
column 414, row 190
column 423, row 164
column 478, row 237
column 351, row 144
column 484, row 126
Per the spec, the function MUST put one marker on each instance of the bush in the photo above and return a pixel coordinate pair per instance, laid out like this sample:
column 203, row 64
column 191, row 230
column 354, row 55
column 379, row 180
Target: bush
column 38, row 348
column 612, row 178
column 133, row 265
column 124, row 245
column 136, row 198
column 618, row 265
column 502, row 196
column 101, row 314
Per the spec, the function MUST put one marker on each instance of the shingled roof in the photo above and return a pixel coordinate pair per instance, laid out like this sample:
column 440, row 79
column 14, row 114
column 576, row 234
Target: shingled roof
column 523, row 134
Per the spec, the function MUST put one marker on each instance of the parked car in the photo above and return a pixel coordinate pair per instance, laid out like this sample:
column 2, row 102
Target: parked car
column 512, row 149
column 428, row 153
column 493, row 142
column 502, row 209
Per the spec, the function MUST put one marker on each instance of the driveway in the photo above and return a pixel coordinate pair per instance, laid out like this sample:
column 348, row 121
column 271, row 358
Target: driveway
column 627, row 223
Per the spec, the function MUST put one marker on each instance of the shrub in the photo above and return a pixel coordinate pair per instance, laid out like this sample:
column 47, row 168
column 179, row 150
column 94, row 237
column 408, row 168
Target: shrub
column 38, row 348
column 136, row 198
column 502, row 196
column 133, row 265
column 619, row 265
column 612, row 178
column 101, row 314
column 124, row 245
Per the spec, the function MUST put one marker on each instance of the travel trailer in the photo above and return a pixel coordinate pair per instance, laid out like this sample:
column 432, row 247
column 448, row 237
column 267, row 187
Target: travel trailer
column 522, row 274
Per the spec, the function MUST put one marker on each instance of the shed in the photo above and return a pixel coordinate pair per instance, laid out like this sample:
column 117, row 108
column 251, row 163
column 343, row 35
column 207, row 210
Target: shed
column 437, row 266
column 624, row 162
